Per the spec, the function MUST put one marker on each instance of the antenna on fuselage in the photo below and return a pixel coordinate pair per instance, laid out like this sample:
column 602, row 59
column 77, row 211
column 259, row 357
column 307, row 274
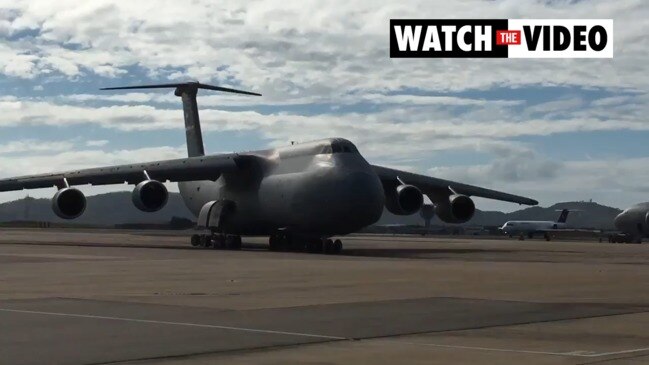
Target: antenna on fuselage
column 187, row 91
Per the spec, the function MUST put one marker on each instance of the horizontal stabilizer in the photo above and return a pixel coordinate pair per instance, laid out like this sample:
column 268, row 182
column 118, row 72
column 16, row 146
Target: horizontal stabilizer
column 196, row 85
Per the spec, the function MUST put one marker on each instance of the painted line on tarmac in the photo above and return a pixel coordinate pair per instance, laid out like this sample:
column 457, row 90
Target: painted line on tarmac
column 556, row 353
column 61, row 256
column 621, row 352
column 579, row 353
column 185, row 324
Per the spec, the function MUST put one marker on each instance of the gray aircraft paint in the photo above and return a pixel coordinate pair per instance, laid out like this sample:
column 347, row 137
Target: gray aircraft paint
column 320, row 188
column 334, row 193
column 634, row 221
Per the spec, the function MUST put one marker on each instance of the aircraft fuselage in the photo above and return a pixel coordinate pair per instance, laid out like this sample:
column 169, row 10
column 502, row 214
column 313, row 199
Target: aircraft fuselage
column 525, row 227
column 305, row 189
column 634, row 221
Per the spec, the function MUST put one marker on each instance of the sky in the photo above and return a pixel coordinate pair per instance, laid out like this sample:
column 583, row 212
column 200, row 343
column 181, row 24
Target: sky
column 552, row 129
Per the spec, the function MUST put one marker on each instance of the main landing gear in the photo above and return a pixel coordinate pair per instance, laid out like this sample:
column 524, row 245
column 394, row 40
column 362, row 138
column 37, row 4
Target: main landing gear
column 285, row 242
column 217, row 241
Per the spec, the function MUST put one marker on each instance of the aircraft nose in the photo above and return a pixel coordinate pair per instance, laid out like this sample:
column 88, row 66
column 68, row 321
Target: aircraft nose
column 618, row 220
column 345, row 202
column 364, row 197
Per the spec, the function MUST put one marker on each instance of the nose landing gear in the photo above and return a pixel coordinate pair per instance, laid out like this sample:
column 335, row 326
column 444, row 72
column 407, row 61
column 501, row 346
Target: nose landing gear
column 333, row 247
column 286, row 242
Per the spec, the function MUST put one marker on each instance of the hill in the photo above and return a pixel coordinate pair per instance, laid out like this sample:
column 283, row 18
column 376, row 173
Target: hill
column 104, row 209
column 116, row 208
column 590, row 215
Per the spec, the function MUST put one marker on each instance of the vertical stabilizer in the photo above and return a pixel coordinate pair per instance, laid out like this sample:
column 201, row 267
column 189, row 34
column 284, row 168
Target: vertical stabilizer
column 563, row 216
column 187, row 91
column 192, row 121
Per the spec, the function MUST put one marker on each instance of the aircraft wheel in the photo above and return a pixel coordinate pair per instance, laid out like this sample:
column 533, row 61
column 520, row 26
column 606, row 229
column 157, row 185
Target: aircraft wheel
column 195, row 240
column 328, row 246
column 274, row 242
column 337, row 246
column 208, row 241
column 205, row 241
column 217, row 241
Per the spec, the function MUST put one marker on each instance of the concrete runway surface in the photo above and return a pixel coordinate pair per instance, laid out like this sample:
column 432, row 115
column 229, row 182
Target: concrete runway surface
column 120, row 297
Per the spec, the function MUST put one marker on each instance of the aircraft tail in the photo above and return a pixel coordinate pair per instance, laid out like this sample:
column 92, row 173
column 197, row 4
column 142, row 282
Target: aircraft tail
column 563, row 216
column 188, row 91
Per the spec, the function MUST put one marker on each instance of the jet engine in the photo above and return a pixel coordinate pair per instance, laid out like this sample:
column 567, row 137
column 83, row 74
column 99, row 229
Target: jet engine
column 458, row 209
column 404, row 200
column 68, row 203
column 150, row 196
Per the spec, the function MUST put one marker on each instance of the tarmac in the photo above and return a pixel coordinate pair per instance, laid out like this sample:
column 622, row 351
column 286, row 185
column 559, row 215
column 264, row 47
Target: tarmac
column 128, row 297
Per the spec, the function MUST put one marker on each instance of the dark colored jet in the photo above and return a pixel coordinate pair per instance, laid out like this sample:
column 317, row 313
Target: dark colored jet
column 299, row 195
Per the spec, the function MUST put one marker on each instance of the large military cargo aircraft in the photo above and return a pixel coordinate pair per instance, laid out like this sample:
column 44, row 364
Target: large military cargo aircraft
column 634, row 224
column 299, row 195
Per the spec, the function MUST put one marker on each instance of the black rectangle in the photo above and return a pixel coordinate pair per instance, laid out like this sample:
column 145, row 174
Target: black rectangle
column 455, row 52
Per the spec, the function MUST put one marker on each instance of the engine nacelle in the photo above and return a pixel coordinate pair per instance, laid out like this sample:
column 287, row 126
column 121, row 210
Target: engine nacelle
column 68, row 203
column 150, row 196
column 458, row 209
column 404, row 200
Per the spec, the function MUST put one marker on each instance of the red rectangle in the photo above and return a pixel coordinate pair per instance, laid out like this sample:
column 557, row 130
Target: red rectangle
column 507, row 37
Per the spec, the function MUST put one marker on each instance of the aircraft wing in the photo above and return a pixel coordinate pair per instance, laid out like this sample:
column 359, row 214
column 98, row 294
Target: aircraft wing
column 183, row 169
column 438, row 189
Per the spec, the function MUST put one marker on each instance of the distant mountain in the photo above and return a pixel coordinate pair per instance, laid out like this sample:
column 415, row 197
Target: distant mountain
column 117, row 208
column 590, row 215
column 105, row 209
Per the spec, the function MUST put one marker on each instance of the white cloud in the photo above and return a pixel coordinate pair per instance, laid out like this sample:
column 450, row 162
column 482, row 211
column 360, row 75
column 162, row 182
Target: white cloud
column 19, row 165
column 97, row 143
column 78, row 159
column 32, row 145
column 402, row 128
column 613, row 182
column 17, row 63
column 299, row 54
column 326, row 49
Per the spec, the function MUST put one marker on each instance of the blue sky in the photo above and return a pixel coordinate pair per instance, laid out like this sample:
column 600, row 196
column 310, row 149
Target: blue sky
column 555, row 130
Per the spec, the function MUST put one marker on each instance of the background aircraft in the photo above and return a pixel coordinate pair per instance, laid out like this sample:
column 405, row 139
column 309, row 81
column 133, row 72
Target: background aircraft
column 529, row 228
column 634, row 223
column 299, row 195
